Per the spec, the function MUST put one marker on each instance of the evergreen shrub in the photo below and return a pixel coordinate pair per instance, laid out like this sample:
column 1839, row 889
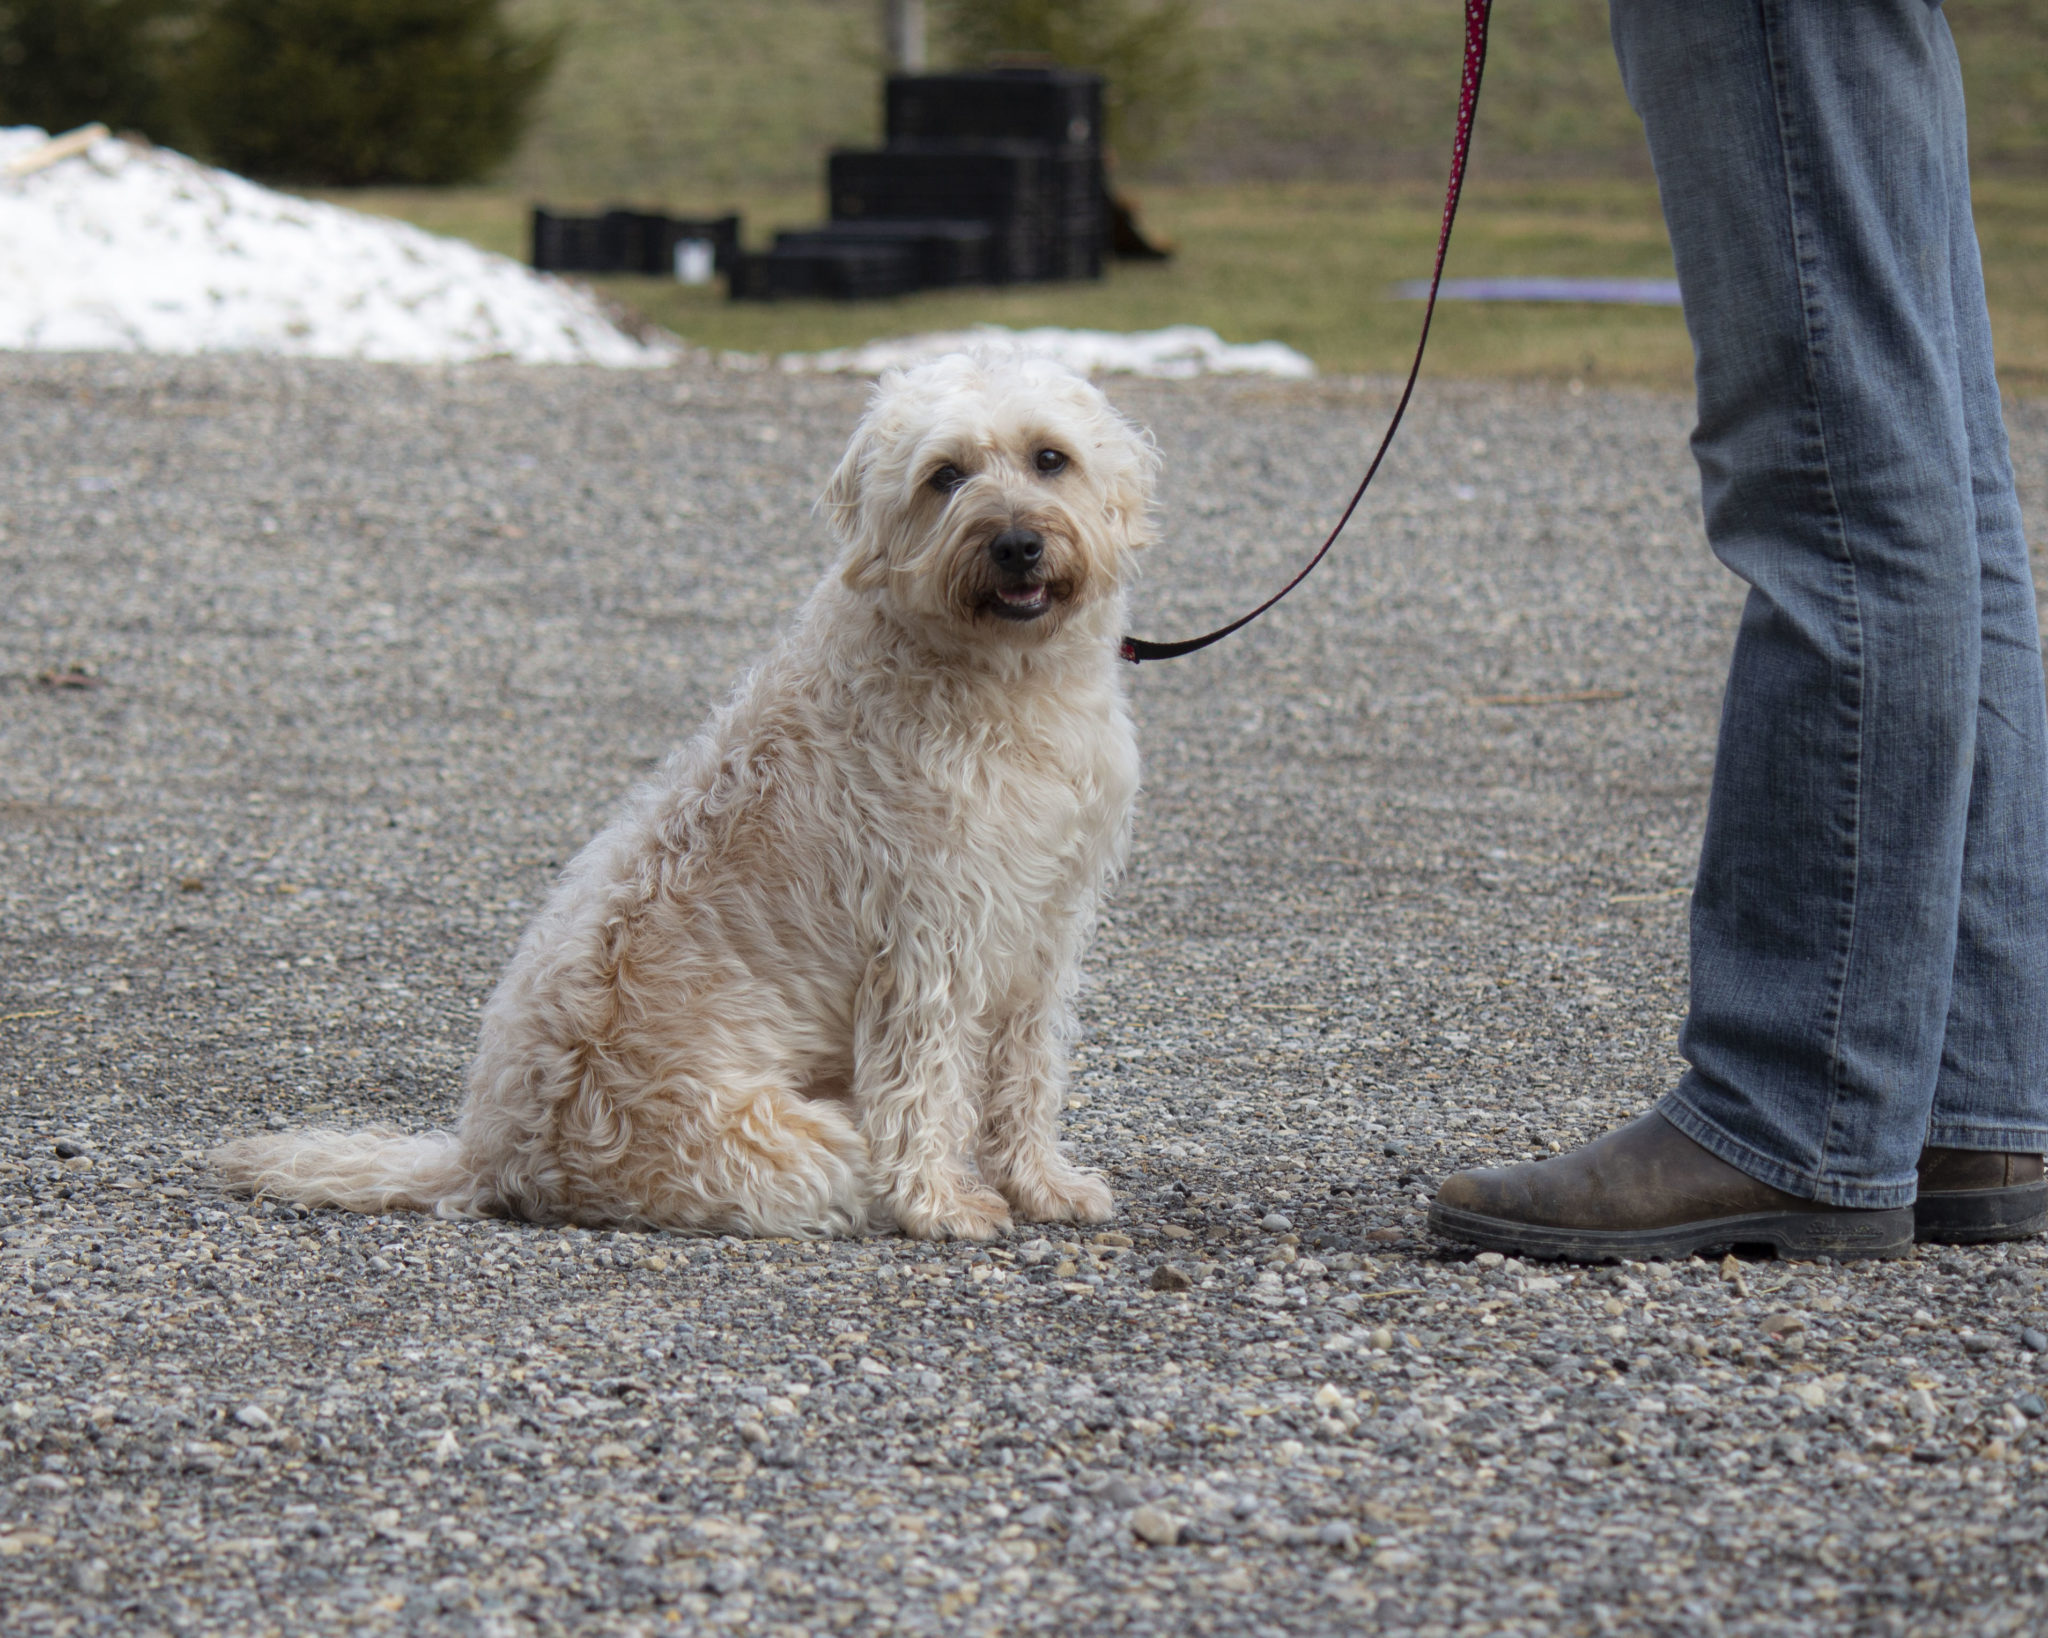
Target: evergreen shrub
column 351, row 92
column 66, row 63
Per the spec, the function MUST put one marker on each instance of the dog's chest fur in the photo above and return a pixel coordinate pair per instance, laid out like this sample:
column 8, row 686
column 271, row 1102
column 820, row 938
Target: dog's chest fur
column 993, row 808
column 1029, row 812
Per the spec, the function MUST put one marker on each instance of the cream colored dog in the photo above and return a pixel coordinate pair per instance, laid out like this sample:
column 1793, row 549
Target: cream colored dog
column 820, row 975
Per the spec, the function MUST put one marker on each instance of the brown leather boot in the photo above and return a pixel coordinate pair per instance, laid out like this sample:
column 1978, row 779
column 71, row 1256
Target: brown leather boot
column 1968, row 1196
column 1644, row 1191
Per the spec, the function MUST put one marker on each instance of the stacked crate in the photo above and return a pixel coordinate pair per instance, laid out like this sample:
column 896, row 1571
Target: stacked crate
column 1052, row 114
column 987, row 178
column 627, row 241
column 811, row 266
column 935, row 252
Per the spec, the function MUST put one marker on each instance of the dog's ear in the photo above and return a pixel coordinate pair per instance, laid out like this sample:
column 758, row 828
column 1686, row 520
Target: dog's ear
column 1134, row 475
column 860, row 556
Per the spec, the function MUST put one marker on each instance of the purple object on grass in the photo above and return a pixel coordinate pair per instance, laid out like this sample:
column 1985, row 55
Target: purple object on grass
column 1631, row 292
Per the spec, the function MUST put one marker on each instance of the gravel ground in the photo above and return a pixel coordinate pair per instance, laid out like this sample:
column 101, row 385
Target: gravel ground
column 311, row 675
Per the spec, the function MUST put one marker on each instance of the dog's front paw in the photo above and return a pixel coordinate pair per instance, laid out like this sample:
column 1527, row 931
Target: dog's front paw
column 968, row 1212
column 1061, row 1194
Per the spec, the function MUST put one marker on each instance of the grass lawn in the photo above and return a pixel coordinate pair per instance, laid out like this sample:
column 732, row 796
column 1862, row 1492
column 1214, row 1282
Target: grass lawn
column 1312, row 264
column 702, row 107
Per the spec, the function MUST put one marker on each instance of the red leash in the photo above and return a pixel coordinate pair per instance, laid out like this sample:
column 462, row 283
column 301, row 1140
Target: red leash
column 1137, row 649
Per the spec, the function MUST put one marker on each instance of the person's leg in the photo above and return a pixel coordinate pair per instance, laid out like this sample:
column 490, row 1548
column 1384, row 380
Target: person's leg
column 1981, row 1176
column 1992, row 1089
column 1808, row 158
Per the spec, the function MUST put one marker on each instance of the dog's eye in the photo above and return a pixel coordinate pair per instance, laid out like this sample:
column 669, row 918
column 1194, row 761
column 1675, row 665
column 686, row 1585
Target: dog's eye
column 1050, row 461
column 947, row 479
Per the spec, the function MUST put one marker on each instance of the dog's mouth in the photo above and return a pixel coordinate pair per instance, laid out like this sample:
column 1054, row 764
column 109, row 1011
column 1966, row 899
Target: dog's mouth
column 1020, row 603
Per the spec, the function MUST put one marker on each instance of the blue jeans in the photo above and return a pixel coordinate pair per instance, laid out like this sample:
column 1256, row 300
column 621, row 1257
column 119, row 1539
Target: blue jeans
column 1870, row 920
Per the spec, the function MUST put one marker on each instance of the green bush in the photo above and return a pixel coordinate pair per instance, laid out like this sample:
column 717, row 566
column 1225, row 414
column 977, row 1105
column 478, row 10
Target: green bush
column 1146, row 51
column 351, row 92
column 66, row 63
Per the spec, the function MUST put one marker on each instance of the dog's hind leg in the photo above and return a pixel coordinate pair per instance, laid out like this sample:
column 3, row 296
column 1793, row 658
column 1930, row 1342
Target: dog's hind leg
column 759, row 1160
column 1020, row 1151
column 785, row 1164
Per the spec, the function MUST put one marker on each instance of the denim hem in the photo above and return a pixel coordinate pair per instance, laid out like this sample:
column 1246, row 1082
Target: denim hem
column 1995, row 1140
column 1718, row 1142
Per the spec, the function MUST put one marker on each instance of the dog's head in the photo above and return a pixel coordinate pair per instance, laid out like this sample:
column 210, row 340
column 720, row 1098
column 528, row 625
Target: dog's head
column 995, row 498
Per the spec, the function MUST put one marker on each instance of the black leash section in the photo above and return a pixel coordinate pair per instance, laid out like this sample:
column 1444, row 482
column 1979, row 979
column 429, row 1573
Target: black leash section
column 1137, row 649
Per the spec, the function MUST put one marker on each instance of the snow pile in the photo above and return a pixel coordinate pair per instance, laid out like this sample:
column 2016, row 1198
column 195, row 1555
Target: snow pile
column 129, row 248
column 1177, row 353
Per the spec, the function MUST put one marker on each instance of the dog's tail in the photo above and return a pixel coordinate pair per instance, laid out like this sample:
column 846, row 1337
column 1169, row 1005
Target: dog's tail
column 368, row 1171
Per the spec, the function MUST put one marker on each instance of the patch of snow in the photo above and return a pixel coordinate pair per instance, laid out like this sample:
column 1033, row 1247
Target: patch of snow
column 129, row 248
column 1177, row 353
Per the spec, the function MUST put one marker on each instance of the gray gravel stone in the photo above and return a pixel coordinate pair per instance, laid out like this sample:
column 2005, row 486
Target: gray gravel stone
column 367, row 652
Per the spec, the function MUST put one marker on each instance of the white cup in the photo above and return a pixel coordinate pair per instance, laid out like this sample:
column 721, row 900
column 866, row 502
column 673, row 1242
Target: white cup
column 695, row 260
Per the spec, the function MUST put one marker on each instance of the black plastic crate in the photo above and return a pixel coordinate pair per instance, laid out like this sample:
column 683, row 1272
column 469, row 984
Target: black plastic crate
column 638, row 241
column 1059, row 107
column 1014, row 187
column 947, row 253
column 1080, row 186
column 989, row 182
column 568, row 244
column 1079, row 251
column 627, row 241
column 647, row 240
column 1037, row 200
column 819, row 271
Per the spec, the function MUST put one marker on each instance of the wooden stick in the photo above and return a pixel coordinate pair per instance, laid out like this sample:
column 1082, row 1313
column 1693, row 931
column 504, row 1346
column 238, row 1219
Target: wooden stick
column 60, row 147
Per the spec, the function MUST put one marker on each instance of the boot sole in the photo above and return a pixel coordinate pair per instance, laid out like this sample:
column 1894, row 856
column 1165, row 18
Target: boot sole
column 1967, row 1217
column 1799, row 1235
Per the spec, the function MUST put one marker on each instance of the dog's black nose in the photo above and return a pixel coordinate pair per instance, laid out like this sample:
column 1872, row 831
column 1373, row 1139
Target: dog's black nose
column 1017, row 551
